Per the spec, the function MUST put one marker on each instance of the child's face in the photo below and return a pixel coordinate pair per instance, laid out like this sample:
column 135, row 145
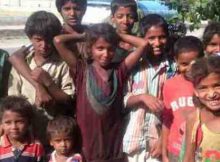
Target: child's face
column 185, row 60
column 157, row 40
column 208, row 91
column 213, row 46
column 62, row 143
column 41, row 46
column 102, row 52
column 124, row 19
column 14, row 125
column 72, row 13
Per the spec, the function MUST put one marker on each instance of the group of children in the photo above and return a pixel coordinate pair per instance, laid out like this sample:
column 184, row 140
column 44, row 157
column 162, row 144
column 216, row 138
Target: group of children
column 102, row 94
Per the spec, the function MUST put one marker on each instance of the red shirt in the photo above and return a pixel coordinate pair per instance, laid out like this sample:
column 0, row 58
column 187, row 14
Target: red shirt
column 177, row 97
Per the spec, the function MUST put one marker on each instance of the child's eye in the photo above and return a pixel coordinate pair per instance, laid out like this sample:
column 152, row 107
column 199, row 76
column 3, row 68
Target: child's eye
column 119, row 16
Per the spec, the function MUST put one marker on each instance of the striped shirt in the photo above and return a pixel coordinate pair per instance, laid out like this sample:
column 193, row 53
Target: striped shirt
column 142, row 129
column 30, row 152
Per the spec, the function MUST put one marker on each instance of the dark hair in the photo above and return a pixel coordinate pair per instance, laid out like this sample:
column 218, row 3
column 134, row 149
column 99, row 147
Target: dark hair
column 102, row 30
column 62, row 124
column 17, row 104
column 188, row 44
column 153, row 20
column 203, row 67
column 212, row 29
column 82, row 4
column 115, row 4
column 44, row 24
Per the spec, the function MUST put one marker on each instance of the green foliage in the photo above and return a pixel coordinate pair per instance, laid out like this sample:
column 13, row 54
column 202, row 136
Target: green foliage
column 195, row 11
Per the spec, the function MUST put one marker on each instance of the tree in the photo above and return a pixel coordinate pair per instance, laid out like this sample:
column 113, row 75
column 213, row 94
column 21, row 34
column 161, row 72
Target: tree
column 195, row 11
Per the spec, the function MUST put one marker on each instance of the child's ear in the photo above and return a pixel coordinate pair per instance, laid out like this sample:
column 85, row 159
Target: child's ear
column 112, row 18
column 196, row 93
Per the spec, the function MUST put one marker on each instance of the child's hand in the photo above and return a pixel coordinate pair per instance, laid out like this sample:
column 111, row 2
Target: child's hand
column 41, row 76
column 152, row 103
column 156, row 149
column 42, row 97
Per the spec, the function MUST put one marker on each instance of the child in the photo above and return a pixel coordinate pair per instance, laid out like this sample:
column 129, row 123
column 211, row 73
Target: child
column 61, row 132
column 202, row 126
column 18, row 142
column 123, row 16
column 143, row 96
column 47, row 69
column 72, row 12
column 4, row 73
column 99, row 84
column 177, row 97
column 211, row 38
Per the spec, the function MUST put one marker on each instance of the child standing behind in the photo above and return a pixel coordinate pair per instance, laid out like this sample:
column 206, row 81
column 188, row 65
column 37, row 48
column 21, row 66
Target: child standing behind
column 62, row 133
column 99, row 90
column 177, row 97
column 211, row 38
column 202, row 126
column 123, row 16
column 18, row 142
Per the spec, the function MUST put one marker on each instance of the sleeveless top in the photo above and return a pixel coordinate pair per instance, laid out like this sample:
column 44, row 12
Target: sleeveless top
column 207, row 142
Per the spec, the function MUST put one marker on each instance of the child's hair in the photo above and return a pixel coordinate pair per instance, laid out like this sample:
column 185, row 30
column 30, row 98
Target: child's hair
column 188, row 44
column 44, row 24
column 115, row 4
column 203, row 67
column 17, row 104
column 102, row 30
column 212, row 29
column 153, row 20
column 81, row 4
column 60, row 125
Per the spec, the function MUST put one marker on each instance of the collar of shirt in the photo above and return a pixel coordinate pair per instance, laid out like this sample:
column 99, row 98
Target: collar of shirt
column 4, row 141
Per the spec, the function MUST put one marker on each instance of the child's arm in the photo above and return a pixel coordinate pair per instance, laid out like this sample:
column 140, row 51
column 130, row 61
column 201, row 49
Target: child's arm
column 69, row 56
column 41, row 76
column 165, row 134
column 134, row 56
column 190, row 146
column 17, row 59
column 145, row 100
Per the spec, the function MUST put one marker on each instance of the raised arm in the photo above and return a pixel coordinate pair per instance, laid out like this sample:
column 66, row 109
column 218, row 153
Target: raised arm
column 140, row 45
column 69, row 56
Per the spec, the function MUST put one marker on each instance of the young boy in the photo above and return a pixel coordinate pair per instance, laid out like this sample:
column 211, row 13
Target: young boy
column 47, row 69
column 177, row 97
column 62, row 135
column 123, row 16
column 143, row 97
column 72, row 12
column 18, row 142
column 4, row 73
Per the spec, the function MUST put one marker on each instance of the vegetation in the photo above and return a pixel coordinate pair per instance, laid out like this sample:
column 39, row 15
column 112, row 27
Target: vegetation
column 195, row 11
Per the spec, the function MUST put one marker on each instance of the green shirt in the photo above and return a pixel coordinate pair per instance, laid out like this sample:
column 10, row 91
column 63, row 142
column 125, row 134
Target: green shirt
column 4, row 72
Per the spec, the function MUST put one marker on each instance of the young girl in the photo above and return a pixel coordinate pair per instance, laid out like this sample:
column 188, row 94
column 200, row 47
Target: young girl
column 62, row 134
column 179, row 104
column 99, row 90
column 18, row 142
column 211, row 38
column 202, row 127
